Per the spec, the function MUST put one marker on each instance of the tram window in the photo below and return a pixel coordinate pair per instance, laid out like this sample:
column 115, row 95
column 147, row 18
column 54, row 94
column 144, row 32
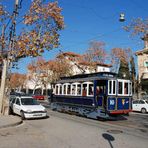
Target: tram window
column 120, row 88
column 125, row 88
column 79, row 89
column 60, row 89
column 97, row 90
column 84, row 91
column 73, row 90
column 112, row 87
column 64, row 89
column 68, row 89
column 56, row 89
column 101, row 87
column 130, row 88
column 90, row 89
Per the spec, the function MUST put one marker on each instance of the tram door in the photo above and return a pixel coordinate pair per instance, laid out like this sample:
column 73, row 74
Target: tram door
column 101, row 93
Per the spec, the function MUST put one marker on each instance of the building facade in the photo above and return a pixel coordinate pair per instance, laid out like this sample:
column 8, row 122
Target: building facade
column 142, row 60
column 77, row 67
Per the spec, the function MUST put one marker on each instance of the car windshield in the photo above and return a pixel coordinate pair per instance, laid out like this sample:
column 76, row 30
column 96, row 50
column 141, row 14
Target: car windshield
column 29, row 101
column 146, row 102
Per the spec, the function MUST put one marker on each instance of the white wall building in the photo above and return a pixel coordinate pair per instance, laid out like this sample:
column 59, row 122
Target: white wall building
column 77, row 67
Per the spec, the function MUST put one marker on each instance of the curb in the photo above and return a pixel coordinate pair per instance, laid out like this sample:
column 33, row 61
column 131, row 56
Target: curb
column 11, row 124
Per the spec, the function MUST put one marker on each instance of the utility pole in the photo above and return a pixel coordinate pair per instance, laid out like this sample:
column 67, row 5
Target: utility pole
column 7, row 60
column 4, row 67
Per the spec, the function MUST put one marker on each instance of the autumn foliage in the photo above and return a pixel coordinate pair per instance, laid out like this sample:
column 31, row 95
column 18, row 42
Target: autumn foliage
column 95, row 53
column 121, row 54
column 42, row 23
column 137, row 26
column 17, row 80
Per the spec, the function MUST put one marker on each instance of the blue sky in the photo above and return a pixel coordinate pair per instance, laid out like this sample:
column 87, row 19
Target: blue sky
column 95, row 20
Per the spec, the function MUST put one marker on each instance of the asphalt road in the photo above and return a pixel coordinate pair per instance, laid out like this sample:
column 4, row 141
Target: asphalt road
column 66, row 131
column 62, row 130
column 135, row 124
column 135, row 121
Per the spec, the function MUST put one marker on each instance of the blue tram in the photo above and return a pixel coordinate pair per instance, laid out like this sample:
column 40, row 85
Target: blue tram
column 93, row 95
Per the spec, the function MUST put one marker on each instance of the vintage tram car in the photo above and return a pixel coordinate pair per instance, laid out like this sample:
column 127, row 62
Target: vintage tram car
column 93, row 95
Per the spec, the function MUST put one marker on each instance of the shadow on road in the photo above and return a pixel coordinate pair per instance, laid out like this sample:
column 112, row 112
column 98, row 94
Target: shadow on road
column 114, row 118
column 39, row 118
column 109, row 138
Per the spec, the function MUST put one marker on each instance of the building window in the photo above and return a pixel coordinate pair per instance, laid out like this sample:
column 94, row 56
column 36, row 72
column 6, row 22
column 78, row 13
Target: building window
column 146, row 65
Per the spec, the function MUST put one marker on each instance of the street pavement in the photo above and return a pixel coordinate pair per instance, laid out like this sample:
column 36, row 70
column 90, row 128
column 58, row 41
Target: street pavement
column 56, row 132
column 9, row 121
column 59, row 132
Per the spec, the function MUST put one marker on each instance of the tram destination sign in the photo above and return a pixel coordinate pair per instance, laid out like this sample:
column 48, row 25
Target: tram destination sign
column 107, row 75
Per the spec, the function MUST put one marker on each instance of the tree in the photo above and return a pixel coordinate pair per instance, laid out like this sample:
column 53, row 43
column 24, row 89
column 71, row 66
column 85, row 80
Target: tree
column 17, row 81
column 46, row 72
column 42, row 23
column 36, row 69
column 95, row 54
column 137, row 27
column 133, row 73
column 124, row 71
column 119, row 55
column 59, row 67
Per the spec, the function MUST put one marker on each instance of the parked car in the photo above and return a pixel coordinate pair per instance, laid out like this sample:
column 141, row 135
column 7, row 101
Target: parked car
column 145, row 97
column 38, row 97
column 140, row 105
column 27, row 107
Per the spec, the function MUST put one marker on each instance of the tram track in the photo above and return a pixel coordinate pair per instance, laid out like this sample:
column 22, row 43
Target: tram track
column 118, row 126
column 123, row 121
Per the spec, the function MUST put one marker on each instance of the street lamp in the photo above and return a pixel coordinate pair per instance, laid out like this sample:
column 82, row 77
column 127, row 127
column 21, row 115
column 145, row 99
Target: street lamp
column 122, row 17
column 16, row 2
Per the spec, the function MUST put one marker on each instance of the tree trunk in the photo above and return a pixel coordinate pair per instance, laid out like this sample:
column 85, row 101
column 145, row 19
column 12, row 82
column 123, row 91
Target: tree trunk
column 4, row 103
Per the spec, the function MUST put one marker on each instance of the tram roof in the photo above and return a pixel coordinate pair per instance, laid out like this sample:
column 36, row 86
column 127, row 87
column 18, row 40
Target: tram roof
column 88, row 77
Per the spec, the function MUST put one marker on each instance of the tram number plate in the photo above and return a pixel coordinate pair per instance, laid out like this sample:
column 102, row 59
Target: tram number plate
column 112, row 102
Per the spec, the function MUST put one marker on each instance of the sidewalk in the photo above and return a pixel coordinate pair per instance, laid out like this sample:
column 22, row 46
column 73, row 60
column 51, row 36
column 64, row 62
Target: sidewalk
column 10, row 120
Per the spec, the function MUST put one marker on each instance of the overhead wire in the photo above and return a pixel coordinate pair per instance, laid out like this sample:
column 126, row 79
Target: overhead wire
column 92, row 10
column 95, row 37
